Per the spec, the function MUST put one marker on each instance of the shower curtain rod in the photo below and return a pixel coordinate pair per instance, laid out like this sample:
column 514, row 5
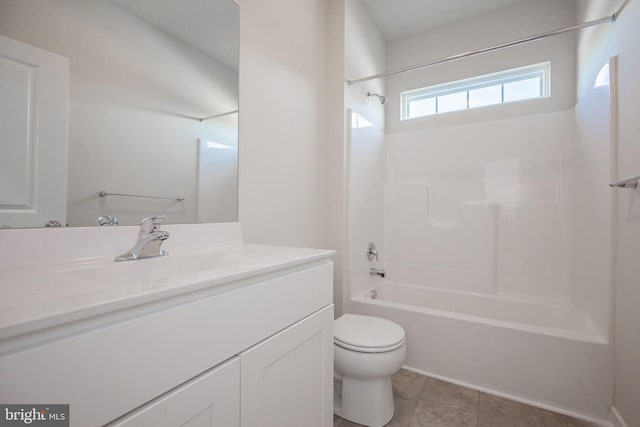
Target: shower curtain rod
column 215, row 116
column 606, row 20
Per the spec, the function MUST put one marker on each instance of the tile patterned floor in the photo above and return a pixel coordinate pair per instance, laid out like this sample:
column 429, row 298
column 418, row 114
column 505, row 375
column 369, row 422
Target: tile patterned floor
column 427, row 402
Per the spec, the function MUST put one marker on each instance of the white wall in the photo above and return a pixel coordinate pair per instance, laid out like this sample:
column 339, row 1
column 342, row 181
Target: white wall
column 365, row 54
column 336, row 135
column 355, row 48
column 132, row 91
column 283, row 190
column 595, row 47
column 511, row 23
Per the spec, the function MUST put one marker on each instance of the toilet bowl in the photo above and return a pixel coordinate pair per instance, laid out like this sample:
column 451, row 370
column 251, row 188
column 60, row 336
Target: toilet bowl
column 367, row 352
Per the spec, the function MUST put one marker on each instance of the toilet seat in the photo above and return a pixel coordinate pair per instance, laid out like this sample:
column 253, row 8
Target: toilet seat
column 366, row 334
column 368, row 349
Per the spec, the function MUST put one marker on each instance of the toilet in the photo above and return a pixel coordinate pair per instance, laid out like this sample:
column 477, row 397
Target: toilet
column 367, row 352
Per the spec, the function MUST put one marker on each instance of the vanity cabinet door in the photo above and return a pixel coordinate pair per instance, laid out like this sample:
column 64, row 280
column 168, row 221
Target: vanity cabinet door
column 287, row 380
column 212, row 399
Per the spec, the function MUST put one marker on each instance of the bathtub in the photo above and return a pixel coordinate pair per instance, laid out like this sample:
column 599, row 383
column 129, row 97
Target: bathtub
column 538, row 352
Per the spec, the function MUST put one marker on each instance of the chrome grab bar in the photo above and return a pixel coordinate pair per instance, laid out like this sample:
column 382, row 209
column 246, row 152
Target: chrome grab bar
column 103, row 193
column 626, row 183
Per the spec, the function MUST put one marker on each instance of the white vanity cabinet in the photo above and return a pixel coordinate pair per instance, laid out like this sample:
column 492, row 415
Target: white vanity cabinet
column 212, row 399
column 250, row 346
column 285, row 381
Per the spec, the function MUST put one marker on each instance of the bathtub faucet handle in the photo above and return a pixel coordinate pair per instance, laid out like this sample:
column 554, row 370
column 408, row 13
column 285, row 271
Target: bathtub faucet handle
column 377, row 272
column 372, row 252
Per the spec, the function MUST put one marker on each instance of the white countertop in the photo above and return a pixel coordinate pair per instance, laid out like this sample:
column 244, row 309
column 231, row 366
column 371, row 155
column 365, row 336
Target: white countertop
column 38, row 295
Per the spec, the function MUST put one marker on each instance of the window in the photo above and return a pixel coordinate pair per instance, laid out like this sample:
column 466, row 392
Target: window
column 518, row 84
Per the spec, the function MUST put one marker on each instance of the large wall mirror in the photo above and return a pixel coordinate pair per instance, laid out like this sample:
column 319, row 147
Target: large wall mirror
column 118, row 109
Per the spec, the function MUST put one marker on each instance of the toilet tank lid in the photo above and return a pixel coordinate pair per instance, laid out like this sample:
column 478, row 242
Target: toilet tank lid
column 367, row 331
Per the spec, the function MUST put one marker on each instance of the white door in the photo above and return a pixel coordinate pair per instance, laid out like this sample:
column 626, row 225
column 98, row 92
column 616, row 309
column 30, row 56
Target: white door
column 34, row 97
column 287, row 380
column 209, row 400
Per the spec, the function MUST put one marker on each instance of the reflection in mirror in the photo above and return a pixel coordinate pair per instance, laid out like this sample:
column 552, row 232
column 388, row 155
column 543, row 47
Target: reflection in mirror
column 129, row 97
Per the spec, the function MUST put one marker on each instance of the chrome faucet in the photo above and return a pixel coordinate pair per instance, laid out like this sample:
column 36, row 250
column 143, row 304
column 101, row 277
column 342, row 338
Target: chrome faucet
column 377, row 272
column 108, row 220
column 149, row 240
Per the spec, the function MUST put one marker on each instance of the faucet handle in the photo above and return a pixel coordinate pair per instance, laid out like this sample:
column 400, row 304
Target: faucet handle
column 372, row 252
column 150, row 224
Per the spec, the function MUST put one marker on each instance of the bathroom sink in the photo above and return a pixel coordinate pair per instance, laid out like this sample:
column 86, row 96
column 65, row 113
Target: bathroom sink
column 57, row 277
column 162, row 270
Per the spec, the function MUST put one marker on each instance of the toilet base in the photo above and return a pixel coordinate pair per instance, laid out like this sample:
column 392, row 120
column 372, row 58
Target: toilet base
column 367, row 402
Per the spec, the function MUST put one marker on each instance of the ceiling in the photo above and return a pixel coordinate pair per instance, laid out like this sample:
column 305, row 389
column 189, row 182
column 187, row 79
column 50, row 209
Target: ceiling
column 211, row 26
column 397, row 19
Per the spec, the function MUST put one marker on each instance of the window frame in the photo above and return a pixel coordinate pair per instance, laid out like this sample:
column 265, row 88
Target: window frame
column 542, row 70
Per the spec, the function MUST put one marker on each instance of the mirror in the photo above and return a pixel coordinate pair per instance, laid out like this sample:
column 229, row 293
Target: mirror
column 118, row 108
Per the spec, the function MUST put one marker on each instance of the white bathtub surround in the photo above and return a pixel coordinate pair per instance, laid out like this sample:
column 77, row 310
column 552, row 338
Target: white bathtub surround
column 421, row 248
column 481, row 207
column 366, row 197
column 497, row 249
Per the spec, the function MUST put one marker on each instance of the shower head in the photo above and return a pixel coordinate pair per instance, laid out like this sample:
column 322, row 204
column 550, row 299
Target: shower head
column 382, row 98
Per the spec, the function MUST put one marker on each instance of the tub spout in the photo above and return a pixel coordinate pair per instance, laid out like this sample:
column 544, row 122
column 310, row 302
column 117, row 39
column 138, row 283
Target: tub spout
column 377, row 272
